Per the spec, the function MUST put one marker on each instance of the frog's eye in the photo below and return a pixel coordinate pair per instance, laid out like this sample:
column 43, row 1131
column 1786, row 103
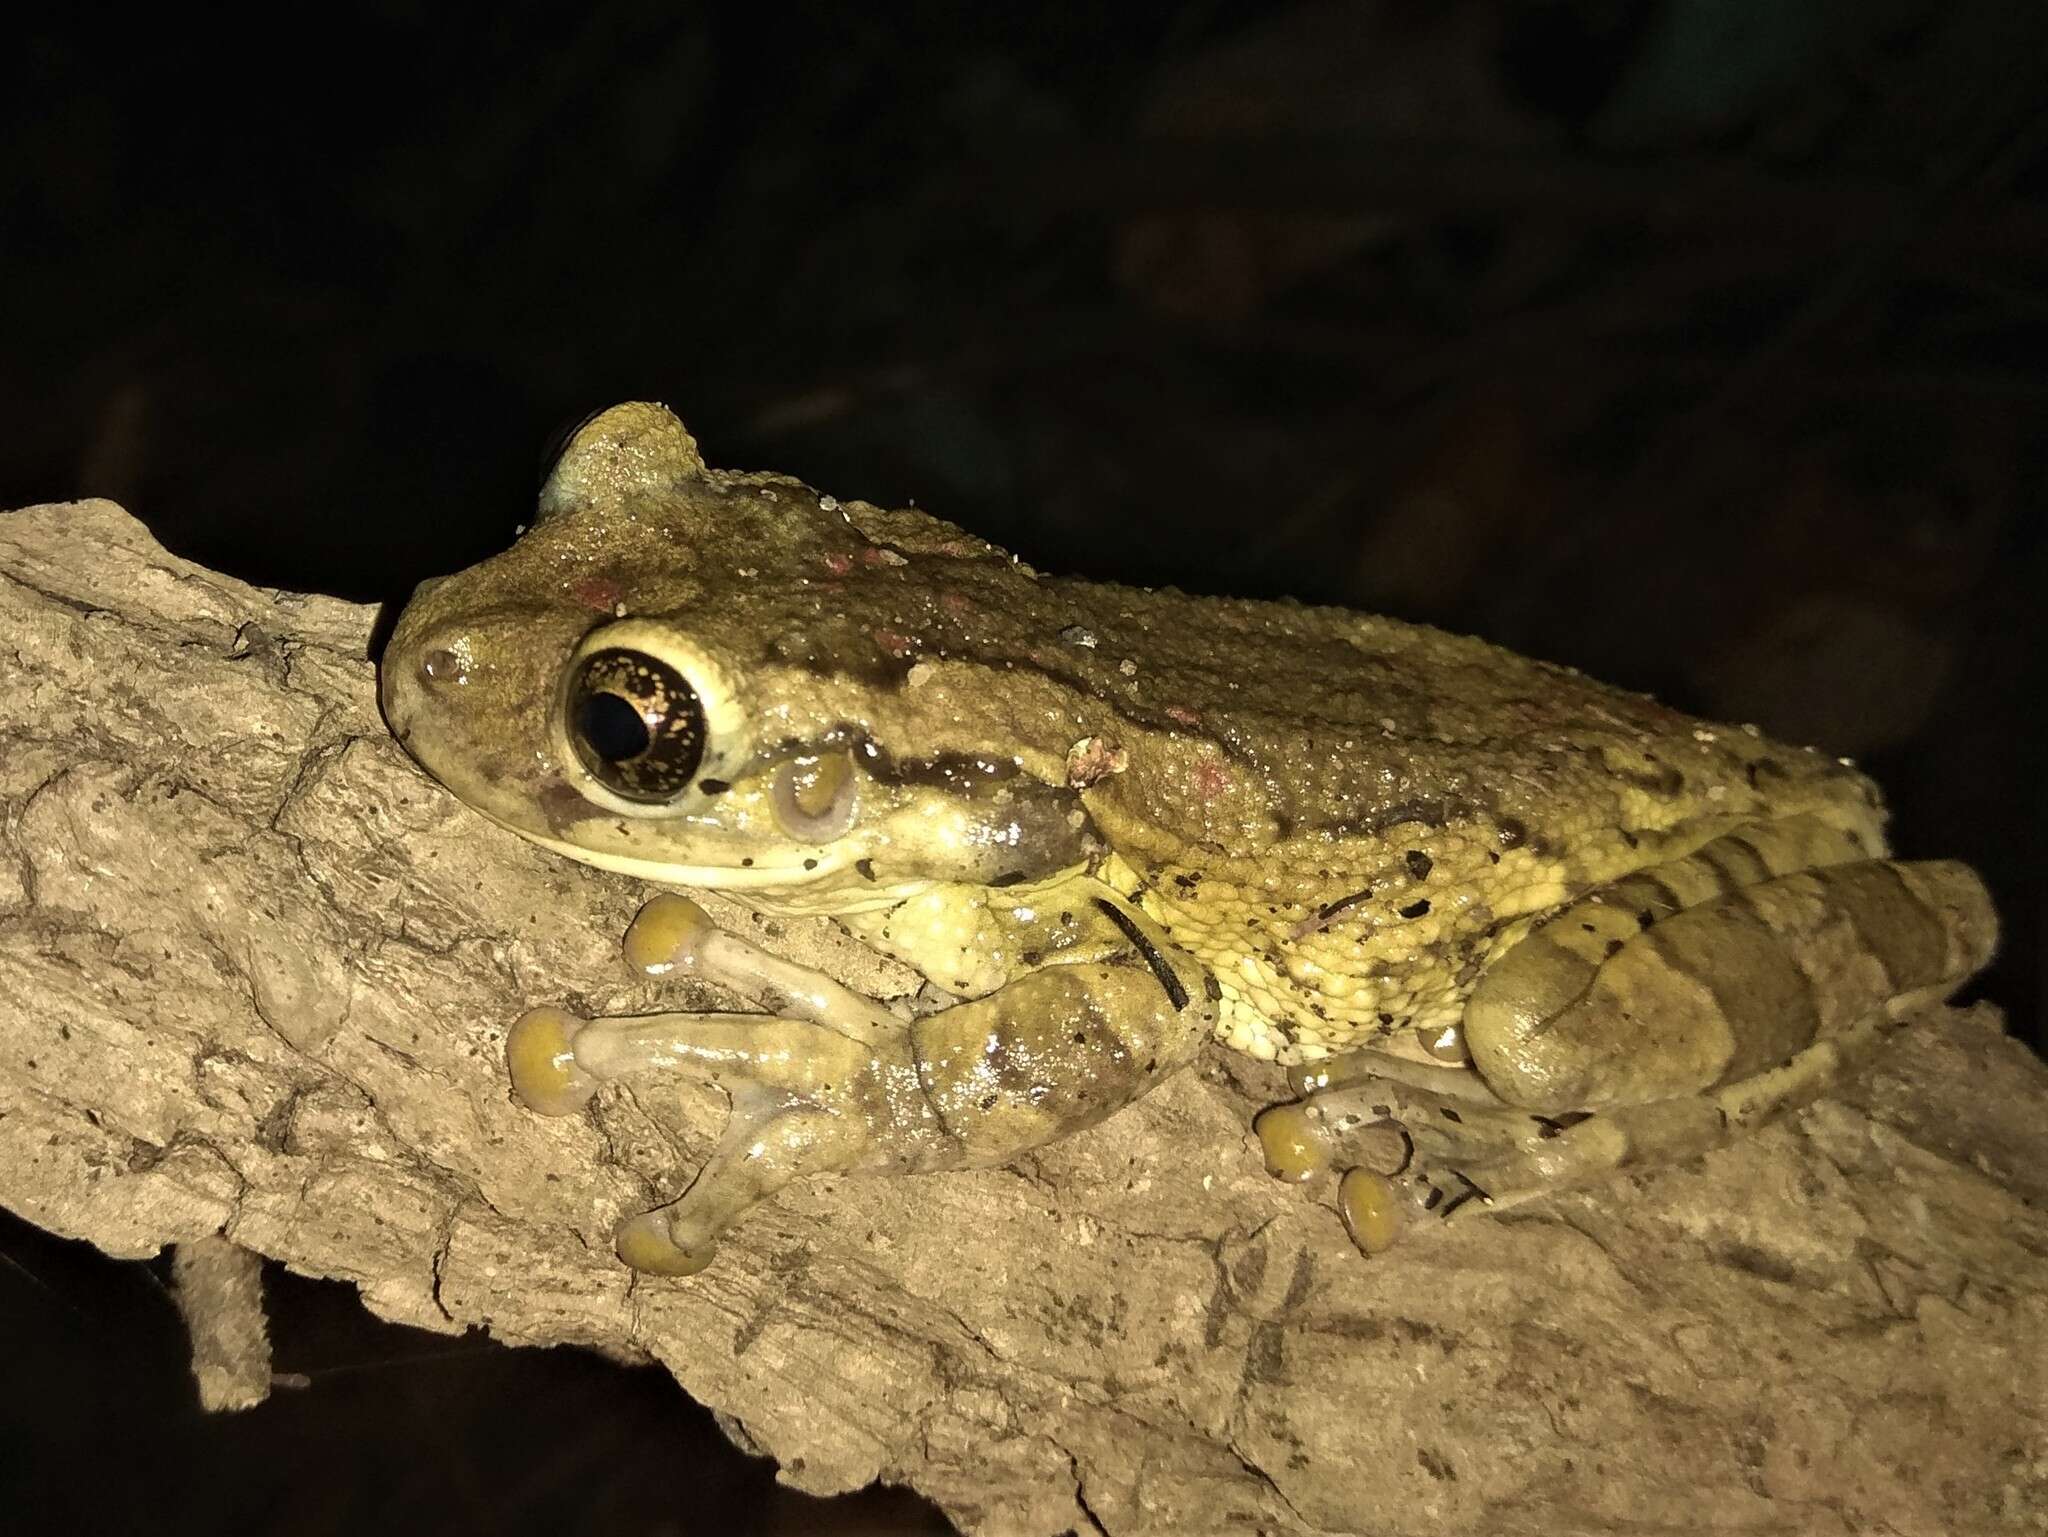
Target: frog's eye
column 636, row 724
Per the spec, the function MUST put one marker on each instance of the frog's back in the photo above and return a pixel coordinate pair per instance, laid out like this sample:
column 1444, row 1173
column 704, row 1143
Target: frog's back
column 1349, row 816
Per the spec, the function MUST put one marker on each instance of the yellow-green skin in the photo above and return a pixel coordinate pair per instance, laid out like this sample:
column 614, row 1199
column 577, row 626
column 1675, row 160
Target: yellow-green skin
column 1332, row 827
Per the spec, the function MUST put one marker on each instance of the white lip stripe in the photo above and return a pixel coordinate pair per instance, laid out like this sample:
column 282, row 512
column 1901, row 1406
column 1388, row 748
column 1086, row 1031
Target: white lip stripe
column 734, row 878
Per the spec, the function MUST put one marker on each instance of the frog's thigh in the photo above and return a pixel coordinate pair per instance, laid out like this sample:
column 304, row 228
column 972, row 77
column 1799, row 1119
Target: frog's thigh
column 1613, row 1002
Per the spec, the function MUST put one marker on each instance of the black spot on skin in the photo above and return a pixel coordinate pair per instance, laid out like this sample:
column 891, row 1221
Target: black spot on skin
column 1613, row 945
column 1419, row 865
column 1512, row 832
column 866, row 867
column 1080, row 1038
column 1451, row 1115
column 1211, row 988
column 988, row 1102
column 1429, row 1202
column 1661, row 778
column 810, row 864
column 1416, row 909
column 1330, row 910
column 713, row 786
column 1175, row 993
column 1386, row 1018
column 1645, row 918
column 1036, row 958
column 1492, row 858
column 747, row 862
column 1471, row 1190
column 1630, row 839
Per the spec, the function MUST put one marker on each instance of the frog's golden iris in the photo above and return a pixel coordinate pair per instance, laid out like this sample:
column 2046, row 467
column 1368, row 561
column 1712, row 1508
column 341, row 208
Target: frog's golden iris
column 636, row 725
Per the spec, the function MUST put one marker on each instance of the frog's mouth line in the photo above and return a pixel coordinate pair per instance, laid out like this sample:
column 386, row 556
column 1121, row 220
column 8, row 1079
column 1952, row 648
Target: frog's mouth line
column 712, row 877
column 727, row 878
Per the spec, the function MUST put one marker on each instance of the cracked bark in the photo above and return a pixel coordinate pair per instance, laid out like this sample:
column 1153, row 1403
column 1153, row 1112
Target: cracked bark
column 254, row 975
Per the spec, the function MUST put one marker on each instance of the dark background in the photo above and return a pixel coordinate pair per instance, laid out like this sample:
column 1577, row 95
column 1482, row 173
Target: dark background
column 1698, row 343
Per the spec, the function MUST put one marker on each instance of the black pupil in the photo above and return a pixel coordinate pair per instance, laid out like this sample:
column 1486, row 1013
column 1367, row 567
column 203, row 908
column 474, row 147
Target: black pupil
column 612, row 727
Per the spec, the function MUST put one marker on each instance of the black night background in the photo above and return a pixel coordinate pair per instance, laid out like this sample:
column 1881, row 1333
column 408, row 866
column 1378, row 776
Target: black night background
column 1700, row 344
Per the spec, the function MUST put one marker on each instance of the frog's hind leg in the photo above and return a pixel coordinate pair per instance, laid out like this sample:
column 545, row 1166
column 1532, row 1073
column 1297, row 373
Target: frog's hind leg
column 1609, row 1003
column 1651, row 1019
column 1544, row 1154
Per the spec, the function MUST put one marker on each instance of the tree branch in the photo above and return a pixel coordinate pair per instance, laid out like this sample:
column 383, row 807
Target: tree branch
column 254, row 978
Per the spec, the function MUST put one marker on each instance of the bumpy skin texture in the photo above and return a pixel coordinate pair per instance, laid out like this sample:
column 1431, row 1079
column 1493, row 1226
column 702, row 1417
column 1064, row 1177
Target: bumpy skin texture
column 1310, row 831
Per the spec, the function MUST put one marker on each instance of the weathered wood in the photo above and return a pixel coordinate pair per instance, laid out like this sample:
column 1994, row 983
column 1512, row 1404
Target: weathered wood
column 254, row 977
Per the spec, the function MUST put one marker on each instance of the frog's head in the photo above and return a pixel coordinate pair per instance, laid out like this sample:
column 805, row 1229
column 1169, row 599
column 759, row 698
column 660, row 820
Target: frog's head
column 725, row 680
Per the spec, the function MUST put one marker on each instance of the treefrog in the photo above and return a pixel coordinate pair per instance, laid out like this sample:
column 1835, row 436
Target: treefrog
column 1508, row 929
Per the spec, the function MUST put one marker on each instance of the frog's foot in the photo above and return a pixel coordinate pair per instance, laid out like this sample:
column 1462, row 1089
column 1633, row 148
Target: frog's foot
column 833, row 1082
column 1520, row 1156
column 803, row 1102
column 1413, row 1162
column 1409, row 1158
column 1634, row 1028
column 810, row 1084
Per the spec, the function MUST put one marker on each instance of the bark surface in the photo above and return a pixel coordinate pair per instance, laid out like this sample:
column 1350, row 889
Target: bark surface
column 255, row 972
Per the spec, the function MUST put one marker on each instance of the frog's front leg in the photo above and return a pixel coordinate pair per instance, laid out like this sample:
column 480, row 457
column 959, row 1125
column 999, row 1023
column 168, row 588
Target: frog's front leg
column 834, row 1082
column 1648, row 1020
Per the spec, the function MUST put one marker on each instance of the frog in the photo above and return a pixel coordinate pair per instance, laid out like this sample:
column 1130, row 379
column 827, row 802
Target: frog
column 1506, row 930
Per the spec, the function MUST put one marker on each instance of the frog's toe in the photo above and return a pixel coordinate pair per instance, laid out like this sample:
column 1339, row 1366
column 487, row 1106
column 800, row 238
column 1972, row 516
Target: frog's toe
column 647, row 1243
column 1293, row 1138
column 1373, row 1209
column 541, row 1053
column 1329, row 1129
column 765, row 1147
column 1400, row 1166
column 670, row 931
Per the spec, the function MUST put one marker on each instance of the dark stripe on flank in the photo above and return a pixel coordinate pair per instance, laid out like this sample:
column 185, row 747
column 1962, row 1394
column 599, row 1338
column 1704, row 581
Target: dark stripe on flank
column 1737, row 860
column 1760, row 985
column 1893, row 924
column 1175, row 993
column 1645, row 891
